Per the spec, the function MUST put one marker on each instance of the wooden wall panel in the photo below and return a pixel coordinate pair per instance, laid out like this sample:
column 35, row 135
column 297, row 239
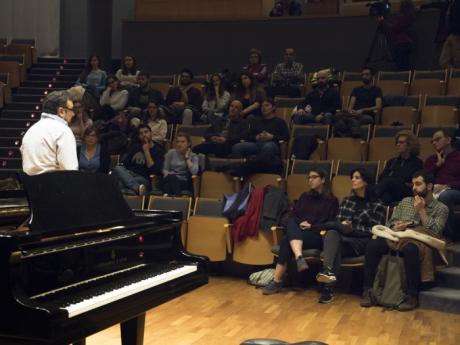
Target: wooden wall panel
column 191, row 9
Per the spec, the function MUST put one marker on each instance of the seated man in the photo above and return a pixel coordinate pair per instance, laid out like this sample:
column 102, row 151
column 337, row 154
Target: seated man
column 424, row 212
column 142, row 160
column 287, row 76
column 319, row 105
column 225, row 132
column 183, row 102
column 445, row 166
column 265, row 134
column 139, row 97
column 364, row 101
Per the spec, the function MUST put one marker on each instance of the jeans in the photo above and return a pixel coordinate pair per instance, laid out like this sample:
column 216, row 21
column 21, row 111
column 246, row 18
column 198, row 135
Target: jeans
column 377, row 248
column 250, row 148
column 450, row 198
column 311, row 240
column 129, row 179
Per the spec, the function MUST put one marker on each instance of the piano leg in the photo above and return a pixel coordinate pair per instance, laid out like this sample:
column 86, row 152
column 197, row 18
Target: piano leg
column 132, row 331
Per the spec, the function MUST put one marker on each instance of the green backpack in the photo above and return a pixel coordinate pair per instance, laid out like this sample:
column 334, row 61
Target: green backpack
column 389, row 289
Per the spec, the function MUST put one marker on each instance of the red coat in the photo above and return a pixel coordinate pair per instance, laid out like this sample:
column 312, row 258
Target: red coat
column 248, row 224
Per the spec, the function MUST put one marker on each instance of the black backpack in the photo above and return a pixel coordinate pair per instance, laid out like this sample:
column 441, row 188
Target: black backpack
column 235, row 205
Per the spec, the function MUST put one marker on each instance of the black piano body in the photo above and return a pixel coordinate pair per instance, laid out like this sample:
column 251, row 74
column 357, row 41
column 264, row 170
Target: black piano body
column 68, row 278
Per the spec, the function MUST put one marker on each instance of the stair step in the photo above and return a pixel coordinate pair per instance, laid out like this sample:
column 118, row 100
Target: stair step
column 20, row 114
column 51, row 78
column 53, row 72
column 12, row 132
column 22, row 97
column 12, row 152
column 24, row 106
column 57, row 65
column 10, row 142
column 441, row 299
column 36, row 90
column 60, row 60
column 10, row 163
column 47, row 84
column 17, row 123
column 453, row 254
column 448, row 277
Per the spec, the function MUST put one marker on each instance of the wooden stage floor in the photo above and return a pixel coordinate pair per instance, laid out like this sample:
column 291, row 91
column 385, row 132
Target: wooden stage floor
column 228, row 311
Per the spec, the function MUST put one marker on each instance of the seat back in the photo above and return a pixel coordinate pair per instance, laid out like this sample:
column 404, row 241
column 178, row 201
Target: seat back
column 381, row 149
column 346, row 149
column 215, row 184
column 426, row 148
column 453, row 85
column 394, row 83
column 164, row 203
column 196, row 132
column 136, row 202
column 304, row 166
column 344, row 168
column 209, row 207
column 428, row 82
column 390, row 131
column 296, row 184
column 341, row 187
column 350, row 80
column 402, row 115
column 428, row 131
column 262, row 180
column 254, row 250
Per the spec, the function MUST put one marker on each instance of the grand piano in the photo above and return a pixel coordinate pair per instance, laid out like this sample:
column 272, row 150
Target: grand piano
column 88, row 262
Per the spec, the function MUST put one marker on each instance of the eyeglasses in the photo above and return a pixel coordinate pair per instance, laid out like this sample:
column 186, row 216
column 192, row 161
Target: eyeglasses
column 312, row 177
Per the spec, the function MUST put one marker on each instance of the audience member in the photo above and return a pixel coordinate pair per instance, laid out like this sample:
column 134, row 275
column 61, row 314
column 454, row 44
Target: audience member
column 127, row 74
column 264, row 134
column 248, row 93
column 225, row 132
column 287, row 76
column 92, row 156
column 365, row 99
column 184, row 101
column 216, row 99
column 140, row 97
column 157, row 124
column 80, row 122
column 428, row 216
column 349, row 236
column 93, row 78
column 445, row 166
column 113, row 99
column 256, row 68
column 450, row 54
column 60, row 151
column 395, row 182
column 179, row 165
column 311, row 211
column 319, row 105
column 142, row 160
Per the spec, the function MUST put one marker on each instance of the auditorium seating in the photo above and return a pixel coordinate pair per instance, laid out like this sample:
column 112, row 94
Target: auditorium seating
column 394, row 83
column 349, row 81
column 14, row 65
column 215, row 184
column 404, row 112
column 428, row 82
column 196, row 132
column 453, row 86
column 382, row 142
column 162, row 83
column 440, row 110
column 5, row 89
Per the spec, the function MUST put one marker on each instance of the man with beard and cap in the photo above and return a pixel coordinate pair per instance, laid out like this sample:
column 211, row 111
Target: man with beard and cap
column 365, row 99
column 183, row 102
column 423, row 213
column 319, row 105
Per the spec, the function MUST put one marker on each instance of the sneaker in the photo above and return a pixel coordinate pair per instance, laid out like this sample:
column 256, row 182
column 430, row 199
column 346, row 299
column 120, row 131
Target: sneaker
column 366, row 300
column 326, row 296
column 326, row 276
column 302, row 264
column 410, row 303
column 141, row 189
column 272, row 288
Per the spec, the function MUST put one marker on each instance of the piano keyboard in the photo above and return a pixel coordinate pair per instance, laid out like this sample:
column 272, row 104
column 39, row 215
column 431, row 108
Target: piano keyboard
column 108, row 297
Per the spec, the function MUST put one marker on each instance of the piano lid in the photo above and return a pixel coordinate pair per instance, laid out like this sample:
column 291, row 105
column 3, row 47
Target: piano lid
column 65, row 201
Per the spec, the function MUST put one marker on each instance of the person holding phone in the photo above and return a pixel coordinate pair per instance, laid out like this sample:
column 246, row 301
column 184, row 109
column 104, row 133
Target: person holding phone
column 180, row 164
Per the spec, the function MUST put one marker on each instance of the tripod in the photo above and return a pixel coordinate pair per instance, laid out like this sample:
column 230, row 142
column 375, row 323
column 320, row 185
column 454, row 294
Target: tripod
column 380, row 49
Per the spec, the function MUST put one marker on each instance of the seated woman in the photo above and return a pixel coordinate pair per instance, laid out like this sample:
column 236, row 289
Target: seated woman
column 395, row 182
column 256, row 68
column 311, row 211
column 179, row 165
column 113, row 99
column 349, row 235
column 80, row 122
column 249, row 95
column 92, row 156
column 216, row 100
column 127, row 74
column 157, row 124
column 93, row 78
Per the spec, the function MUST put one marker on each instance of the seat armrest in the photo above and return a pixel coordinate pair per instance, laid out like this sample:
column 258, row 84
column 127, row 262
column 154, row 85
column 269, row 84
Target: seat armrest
column 228, row 237
column 196, row 180
column 276, row 234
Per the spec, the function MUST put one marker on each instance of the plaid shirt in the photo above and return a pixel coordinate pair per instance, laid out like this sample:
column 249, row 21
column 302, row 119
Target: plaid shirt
column 363, row 214
column 286, row 75
column 437, row 214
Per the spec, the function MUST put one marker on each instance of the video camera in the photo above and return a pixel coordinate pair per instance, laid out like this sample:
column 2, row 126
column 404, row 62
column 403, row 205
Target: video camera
column 380, row 8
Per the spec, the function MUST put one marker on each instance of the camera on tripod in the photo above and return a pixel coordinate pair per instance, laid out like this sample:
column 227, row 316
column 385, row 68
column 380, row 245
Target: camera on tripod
column 380, row 8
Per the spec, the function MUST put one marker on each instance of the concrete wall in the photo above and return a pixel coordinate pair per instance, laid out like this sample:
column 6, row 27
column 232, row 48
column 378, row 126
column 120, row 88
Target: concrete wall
column 343, row 42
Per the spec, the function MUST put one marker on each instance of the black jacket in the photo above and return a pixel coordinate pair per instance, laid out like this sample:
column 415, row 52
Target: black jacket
column 233, row 131
column 328, row 102
column 402, row 168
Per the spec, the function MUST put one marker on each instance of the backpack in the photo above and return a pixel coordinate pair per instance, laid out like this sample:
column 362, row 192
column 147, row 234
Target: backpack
column 261, row 278
column 236, row 204
column 390, row 282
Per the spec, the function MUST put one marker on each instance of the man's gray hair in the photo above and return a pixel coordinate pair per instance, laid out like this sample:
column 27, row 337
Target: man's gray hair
column 54, row 100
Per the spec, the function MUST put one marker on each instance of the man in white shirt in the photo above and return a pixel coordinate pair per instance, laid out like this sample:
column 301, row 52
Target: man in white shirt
column 49, row 145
